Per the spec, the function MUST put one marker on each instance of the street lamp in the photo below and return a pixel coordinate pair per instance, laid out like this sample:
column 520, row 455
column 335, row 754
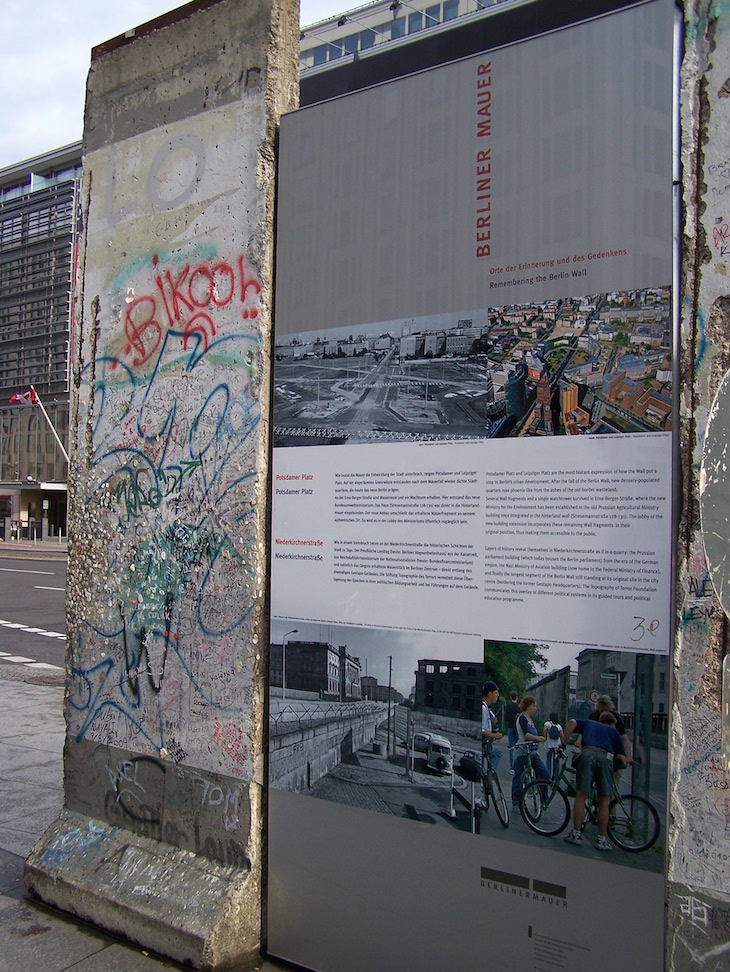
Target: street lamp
column 283, row 660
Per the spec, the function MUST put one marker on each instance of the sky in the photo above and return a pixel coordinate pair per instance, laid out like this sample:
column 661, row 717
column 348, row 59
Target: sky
column 375, row 647
column 45, row 52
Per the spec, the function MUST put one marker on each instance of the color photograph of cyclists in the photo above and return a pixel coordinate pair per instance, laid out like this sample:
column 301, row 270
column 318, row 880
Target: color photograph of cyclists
column 512, row 741
column 584, row 733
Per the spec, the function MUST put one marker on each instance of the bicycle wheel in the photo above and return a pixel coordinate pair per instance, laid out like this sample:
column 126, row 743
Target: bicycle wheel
column 544, row 810
column 485, row 787
column 527, row 776
column 633, row 823
column 500, row 804
column 531, row 802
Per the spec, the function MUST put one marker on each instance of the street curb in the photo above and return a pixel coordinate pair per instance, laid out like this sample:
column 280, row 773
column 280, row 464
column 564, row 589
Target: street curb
column 33, row 551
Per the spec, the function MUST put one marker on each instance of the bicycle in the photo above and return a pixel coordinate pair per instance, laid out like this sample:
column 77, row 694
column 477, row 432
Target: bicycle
column 528, row 776
column 493, row 788
column 633, row 823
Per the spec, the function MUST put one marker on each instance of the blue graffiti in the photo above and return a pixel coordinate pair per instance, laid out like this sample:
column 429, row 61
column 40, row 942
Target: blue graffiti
column 173, row 473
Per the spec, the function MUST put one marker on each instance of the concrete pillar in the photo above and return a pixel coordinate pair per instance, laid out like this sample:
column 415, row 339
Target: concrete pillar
column 160, row 838
column 699, row 839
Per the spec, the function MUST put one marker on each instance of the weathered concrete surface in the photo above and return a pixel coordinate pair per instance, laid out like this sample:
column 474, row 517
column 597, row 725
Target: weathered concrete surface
column 167, row 610
column 699, row 847
column 303, row 751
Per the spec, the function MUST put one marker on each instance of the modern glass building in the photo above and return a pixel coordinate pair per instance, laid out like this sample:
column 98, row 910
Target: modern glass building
column 37, row 233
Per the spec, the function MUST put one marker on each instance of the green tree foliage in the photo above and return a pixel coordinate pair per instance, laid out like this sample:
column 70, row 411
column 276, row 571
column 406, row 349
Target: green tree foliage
column 513, row 664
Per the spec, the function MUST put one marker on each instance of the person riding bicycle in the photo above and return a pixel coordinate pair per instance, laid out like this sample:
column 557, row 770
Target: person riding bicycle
column 601, row 747
column 527, row 739
column 490, row 725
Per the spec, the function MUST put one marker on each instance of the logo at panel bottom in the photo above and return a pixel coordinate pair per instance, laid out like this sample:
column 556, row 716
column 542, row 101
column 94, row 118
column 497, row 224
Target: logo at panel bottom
column 523, row 886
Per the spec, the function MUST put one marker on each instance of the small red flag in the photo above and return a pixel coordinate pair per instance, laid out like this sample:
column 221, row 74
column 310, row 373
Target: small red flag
column 29, row 398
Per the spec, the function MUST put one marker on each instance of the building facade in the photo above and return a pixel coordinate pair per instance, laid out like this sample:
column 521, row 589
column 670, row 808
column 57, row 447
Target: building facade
column 364, row 28
column 318, row 667
column 449, row 688
column 37, row 234
column 615, row 673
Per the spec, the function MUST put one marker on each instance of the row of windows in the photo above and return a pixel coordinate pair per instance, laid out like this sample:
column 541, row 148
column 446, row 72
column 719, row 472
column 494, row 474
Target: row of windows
column 444, row 669
column 456, row 705
column 456, row 687
column 51, row 334
column 38, row 224
column 18, row 322
column 28, row 448
column 29, row 271
column 36, row 182
column 44, row 372
column 365, row 39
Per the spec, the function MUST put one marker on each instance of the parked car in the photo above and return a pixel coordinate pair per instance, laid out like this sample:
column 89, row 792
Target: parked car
column 437, row 749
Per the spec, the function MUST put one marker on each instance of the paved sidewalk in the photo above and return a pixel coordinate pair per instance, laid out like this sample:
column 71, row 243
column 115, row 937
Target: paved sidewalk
column 46, row 549
column 36, row 938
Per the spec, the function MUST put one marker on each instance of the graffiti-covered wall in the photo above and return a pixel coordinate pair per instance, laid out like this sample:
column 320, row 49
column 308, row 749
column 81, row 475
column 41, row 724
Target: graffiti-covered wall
column 167, row 613
column 699, row 856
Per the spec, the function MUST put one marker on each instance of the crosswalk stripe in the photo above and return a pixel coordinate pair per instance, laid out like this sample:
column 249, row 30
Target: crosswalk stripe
column 28, row 630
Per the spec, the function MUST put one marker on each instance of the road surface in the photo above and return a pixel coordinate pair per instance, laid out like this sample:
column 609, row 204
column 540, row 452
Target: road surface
column 32, row 613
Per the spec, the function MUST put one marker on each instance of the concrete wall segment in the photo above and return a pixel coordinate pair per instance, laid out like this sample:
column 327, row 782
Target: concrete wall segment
column 167, row 605
column 699, row 845
column 165, row 75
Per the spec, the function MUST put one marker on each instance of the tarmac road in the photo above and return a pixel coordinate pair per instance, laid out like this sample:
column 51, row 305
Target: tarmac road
column 32, row 612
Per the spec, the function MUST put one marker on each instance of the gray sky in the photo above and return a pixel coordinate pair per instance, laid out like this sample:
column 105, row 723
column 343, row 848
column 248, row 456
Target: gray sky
column 45, row 51
column 373, row 646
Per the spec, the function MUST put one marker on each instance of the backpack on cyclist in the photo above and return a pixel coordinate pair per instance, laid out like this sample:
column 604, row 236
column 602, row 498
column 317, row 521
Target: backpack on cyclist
column 553, row 731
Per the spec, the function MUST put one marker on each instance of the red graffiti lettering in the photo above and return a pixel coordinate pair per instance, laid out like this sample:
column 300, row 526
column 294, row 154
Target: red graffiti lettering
column 226, row 270
column 199, row 324
column 177, row 296
column 186, row 298
column 245, row 284
column 720, row 236
column 200, row 293
column 137, row 326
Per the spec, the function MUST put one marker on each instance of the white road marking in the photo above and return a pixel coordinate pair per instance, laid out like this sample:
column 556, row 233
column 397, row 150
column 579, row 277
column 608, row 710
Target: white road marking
column 39, row 587
column 29, row 630
column 17, row 659
column 55, row 668
column 19, row 570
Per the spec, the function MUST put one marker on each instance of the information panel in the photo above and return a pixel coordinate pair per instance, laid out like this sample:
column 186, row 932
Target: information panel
column 472, row 482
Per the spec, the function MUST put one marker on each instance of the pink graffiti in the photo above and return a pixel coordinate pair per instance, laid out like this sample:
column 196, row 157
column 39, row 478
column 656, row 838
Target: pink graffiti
column 187, row 299
column 720, row 236
column 230, row 740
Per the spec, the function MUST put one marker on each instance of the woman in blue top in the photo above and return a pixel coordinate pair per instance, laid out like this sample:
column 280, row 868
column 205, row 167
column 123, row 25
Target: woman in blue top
column 527, row 733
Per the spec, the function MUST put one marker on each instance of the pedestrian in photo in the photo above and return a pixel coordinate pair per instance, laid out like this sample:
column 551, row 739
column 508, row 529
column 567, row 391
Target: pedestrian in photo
column 601, row 747
column 605, row 704
column 552, row 731
column 511, row 711
column 528, row 735
column 490, row 725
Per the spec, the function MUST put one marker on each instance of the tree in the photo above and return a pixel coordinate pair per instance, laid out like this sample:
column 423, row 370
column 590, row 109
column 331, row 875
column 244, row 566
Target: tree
column 513, row 664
